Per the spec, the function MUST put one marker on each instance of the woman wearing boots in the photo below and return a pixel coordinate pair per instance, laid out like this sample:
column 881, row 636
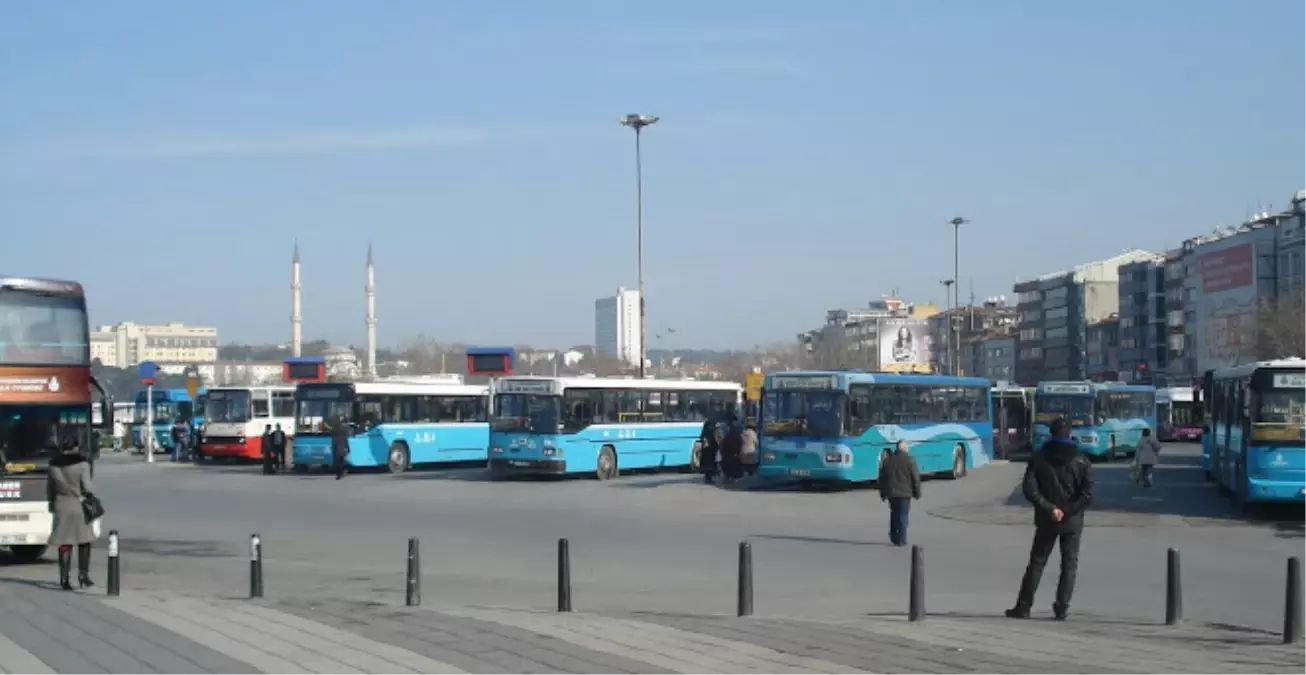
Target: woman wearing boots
column 68, row 484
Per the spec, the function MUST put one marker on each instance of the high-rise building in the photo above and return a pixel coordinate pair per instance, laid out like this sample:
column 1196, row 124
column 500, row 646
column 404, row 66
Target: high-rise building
column 127, row 345
column 1053, row 313
column 616, row 326
column 1141, row 328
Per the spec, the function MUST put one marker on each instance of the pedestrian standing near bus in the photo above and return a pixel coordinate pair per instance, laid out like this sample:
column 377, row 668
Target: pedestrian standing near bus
column 708, row 449
column 278, row 449
column 269, row 461
column 1059, row 483
column 340, row 434
column 749, row 454
column 899, row 483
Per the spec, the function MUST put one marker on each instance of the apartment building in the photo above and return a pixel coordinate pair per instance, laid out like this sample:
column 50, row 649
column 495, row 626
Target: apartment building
column 616, row 326
column 127, row 344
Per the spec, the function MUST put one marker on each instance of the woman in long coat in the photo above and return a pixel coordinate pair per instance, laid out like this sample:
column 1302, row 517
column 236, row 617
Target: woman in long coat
column 68, row 484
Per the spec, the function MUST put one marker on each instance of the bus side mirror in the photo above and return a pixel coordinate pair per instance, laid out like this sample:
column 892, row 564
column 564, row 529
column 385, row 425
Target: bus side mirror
column 106, row 414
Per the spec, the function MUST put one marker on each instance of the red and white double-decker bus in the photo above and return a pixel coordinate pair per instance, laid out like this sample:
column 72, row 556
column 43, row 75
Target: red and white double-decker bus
column 45, row 395
column 236, row 418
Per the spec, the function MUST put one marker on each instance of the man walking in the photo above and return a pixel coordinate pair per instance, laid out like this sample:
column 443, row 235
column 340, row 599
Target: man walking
column 1149, row 450
column 899, row 483
column 278, row 449
column 1059, row 483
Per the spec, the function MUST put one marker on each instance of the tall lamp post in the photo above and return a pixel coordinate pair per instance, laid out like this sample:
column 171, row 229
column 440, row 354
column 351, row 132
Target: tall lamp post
column 638, row 122
column 956, row 289
column 947, row 337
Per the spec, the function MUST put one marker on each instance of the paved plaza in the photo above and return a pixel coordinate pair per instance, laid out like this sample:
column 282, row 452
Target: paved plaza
column 653, row 569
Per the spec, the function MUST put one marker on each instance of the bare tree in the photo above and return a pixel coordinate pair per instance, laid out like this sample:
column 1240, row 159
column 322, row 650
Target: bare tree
column 1281, row 326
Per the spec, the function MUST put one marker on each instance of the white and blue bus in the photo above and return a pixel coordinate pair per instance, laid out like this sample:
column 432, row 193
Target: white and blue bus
column 392, row 424
column 602, row 426
column 840, row 426
column 1258, row 431
column 1106, row 419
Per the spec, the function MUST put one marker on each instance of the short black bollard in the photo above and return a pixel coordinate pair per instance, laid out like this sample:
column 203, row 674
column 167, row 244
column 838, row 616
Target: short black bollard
column 413, row 597
column 113, row 585
column 255, row 566
column 744, row 604
column 1174, row 590
column 564, row 576
column 1292, row 627
column 916, row 610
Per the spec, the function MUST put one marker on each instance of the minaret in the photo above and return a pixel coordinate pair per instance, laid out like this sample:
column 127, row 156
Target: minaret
column 296, row 321
column 371, row 316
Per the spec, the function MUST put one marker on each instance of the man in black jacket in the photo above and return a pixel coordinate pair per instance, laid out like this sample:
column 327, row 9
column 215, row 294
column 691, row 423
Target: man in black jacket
column 1059, row 483
column 899, row 483
column 269, row 465
column 340, row 433
column 278, row 449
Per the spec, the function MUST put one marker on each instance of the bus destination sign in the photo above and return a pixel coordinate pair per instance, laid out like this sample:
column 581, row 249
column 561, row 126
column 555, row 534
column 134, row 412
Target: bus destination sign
column 792, row 382
column 1067, row 388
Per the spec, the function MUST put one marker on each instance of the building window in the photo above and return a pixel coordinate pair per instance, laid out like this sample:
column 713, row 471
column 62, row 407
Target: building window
column 1029, row 334
column 1056, row 313
column 1056, row 333
column 1028, row 297
column 1031, row 353
column 1176, row 342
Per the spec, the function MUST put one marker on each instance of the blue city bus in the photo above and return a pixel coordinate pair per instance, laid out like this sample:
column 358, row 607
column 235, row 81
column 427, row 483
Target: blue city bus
column 1258, row 423
column 1208, row 383
column 840, row 426
column 169, row 404
column 1106, row 419
column 602, row 426
column 396, row 425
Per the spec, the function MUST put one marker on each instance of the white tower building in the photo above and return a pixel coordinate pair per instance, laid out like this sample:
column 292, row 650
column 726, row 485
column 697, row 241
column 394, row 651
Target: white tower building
column 296, row 320
column 370, row 366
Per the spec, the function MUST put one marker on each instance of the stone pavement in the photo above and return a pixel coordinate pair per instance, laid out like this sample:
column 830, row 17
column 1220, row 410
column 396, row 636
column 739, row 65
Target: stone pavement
column 45, row 630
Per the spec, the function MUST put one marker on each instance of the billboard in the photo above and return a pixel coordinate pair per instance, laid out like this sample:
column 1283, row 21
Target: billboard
column 1226, row 306
column 906, row 346
column 45, row 384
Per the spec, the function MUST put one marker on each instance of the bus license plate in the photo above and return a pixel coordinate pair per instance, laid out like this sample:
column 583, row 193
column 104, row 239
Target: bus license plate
column 800, row 473
column 10, row 539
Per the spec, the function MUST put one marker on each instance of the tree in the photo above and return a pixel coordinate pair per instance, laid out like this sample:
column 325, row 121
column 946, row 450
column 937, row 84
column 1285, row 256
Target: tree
column 1281, row 326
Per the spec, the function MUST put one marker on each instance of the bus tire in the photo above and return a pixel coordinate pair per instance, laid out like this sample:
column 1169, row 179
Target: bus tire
column 607, row 464
column 28, row 553
column 397, row 460
column 299, row 468
column 696, row 458
column 958, row 463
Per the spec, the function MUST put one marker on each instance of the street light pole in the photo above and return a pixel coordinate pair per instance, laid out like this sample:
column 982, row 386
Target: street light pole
column 638, row 122
column 947, row 337
column 956, row 287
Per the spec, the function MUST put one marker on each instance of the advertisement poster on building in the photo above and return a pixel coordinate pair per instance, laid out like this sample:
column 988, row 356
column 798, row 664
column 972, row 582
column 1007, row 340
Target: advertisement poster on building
column 1227, row 309
column 905, row 346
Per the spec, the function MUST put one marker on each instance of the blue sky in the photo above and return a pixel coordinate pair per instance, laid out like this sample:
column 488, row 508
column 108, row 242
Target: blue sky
column 809, row 154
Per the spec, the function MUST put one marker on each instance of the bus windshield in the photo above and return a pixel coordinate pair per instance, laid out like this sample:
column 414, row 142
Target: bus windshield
column 43, row 329
column 228, row 407
column 1282, row 407
column 804, row 413
column 313, row 415
column 1076, row 409
column 1186, row 414
column 537, row 413
column 163, row 412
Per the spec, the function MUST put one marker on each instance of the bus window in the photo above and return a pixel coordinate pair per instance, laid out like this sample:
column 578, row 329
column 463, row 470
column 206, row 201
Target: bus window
column 259, row 403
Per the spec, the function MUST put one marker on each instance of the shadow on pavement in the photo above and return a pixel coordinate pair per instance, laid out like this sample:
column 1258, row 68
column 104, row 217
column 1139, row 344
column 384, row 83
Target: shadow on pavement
column 8, row 559
column 818, row 540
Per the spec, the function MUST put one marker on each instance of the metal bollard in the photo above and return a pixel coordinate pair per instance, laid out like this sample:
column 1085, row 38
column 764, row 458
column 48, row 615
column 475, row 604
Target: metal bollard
column 1174, row 599
column 113, row 585
column 916, row 609
column 744, row 604
column 564, row 575
column 1292, row 626
column 413, row 597
column 255, row 566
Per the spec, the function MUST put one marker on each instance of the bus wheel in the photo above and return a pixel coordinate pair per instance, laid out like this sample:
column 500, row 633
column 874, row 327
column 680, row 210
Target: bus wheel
column 696, row 458
column 397, row 461
column 28, row 553
column 607, row 468
column 300, row 468
column 958, row 463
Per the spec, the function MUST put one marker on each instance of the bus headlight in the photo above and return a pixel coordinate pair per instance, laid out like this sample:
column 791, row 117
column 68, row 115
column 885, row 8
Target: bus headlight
column 768, row 456
column 548, row 452
column 497, row 451
column 841, row 454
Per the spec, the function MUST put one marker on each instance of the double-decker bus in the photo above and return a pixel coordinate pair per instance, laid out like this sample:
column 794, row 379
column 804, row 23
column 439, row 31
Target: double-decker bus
column 169, row 406
column 1258, row 430
column 45, row 395
column 603, row 426
column 1106, row 419
column 397, row 425
column 1178, row 416
column 840, row 426
column 236, row 417
column 1013, row 419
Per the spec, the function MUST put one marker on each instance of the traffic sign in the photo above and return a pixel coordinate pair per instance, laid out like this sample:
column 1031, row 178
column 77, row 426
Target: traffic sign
column 192, row 382
column 149, row 371
column 753, row 386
